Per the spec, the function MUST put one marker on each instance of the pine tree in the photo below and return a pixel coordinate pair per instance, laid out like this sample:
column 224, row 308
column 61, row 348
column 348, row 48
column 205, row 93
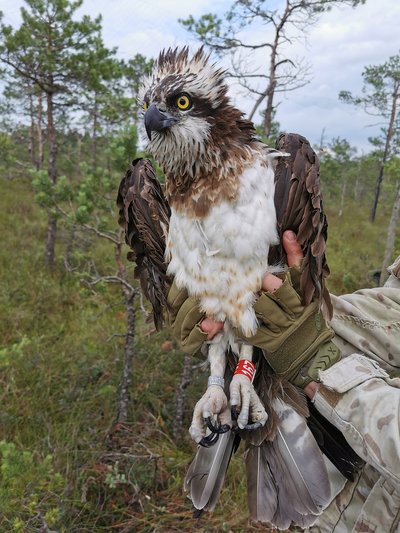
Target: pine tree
column 282, row 22
column 381, row 97
column 51, row 51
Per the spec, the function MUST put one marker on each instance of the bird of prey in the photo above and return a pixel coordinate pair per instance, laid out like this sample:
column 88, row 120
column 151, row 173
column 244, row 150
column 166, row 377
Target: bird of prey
column 228, row 199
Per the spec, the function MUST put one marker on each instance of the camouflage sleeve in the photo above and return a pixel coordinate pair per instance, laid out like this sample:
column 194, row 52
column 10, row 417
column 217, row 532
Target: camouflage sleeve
column 360, row 395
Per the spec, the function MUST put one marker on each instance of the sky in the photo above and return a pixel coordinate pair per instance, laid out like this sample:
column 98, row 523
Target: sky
column 337, row 48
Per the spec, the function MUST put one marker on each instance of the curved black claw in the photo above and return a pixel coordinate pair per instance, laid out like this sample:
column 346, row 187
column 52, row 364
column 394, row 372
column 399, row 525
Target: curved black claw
column 216, row 431
column 217, row 428
column 210, row 425
column 210, row 440
column 252, row 427
column 234, row 412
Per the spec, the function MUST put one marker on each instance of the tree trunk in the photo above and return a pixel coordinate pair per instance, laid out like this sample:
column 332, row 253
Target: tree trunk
column 377, row 189
column 129, row 349
column 32, row 154
column 39, row 160
column 270, row 93
column 52, row 174
column 180, row 397
column 391, row 235
column 385, row 156
column 129, row 352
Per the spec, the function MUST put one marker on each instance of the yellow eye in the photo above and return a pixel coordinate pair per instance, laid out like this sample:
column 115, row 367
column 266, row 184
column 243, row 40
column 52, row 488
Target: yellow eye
column 183, row 102
column 145, row 106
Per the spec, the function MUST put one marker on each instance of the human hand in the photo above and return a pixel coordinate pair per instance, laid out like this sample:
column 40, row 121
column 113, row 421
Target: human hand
column 294, row 254
column 271, row 283
column 289, row 333
column 211, row 327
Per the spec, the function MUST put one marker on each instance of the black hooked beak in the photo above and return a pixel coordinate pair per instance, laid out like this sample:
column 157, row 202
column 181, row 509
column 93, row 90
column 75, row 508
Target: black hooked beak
column 156, row 120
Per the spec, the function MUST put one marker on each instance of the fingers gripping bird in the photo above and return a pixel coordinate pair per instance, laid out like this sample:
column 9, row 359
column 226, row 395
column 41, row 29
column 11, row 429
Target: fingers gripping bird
column 222, row 200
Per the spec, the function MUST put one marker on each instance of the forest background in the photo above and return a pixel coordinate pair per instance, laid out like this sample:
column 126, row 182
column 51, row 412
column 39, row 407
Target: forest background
column 94, row 404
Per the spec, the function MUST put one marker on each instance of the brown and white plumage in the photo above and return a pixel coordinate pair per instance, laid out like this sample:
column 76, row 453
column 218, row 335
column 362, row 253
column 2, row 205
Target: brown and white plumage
column 144, row 216
column 298, row 203
column 220, row 186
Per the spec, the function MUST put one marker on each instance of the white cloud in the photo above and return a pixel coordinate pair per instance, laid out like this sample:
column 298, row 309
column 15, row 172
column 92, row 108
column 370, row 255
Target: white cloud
column 339, row 46
column 146, row 26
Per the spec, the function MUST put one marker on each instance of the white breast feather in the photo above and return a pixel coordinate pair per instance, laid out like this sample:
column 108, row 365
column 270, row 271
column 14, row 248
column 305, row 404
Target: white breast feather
column 221, row 259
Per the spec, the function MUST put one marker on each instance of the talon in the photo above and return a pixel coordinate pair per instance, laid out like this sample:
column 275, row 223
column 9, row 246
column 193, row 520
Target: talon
column 217, row 428
column 210, row 440
column 210, row 425
column 234, row 412
column 254, row 426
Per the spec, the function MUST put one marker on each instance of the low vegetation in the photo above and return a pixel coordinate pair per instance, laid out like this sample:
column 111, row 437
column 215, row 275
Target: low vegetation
column 71, row 315
column 65, row 464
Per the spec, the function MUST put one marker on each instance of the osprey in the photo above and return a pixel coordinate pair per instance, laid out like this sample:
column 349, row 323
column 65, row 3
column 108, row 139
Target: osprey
column 228, row 199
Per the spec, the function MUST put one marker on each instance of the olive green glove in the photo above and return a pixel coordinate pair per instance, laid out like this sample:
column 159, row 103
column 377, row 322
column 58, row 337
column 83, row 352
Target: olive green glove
column 289, row 333
column 185, row 318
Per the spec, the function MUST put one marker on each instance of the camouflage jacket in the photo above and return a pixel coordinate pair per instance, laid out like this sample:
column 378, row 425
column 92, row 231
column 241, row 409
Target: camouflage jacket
column 361, row 395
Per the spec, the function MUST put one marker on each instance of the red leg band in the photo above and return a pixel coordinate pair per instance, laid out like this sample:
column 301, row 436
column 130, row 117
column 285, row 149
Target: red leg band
column 247, row 368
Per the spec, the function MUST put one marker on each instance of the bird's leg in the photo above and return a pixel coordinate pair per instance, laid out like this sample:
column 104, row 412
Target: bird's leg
column 245, row 403
column 212, row 409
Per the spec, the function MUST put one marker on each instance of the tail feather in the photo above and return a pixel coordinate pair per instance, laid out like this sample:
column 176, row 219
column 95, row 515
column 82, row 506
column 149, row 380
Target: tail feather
column 303, row 458
column 207, row 471
column 262, row 495
column 287, row 477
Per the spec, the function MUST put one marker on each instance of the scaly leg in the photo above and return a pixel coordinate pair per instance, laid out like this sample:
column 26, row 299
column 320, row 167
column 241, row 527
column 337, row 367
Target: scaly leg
column 214, row 404
column 244, row 400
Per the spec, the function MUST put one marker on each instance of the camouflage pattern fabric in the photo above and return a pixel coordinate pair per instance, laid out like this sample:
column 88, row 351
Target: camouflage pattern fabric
column 362, row 399
column 360, row 395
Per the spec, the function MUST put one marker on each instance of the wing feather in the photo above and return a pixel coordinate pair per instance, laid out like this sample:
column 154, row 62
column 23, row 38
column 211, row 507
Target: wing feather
column 298, row 204
column 144, row 215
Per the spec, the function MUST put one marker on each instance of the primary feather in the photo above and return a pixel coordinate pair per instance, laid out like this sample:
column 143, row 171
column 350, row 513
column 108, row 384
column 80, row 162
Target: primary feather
column 298, row 203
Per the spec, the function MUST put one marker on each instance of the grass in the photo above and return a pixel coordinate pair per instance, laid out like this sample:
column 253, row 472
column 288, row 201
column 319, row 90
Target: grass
column 64, row 463
column 355, row 247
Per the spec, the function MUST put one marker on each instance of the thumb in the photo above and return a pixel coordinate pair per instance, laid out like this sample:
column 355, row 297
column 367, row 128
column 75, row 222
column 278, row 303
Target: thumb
column 211, row 327
column 292, row 249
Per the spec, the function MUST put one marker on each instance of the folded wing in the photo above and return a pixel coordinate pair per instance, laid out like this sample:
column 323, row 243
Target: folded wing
column 144, row 215
column 298, row 204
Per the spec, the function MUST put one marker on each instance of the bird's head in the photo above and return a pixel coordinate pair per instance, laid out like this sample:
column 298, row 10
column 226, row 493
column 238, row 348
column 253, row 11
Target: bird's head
column 187, row 113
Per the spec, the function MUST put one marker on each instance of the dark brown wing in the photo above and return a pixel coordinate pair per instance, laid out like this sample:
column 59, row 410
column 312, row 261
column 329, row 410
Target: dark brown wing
column 298, row 204
column 299, row 207
column 144, row 214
